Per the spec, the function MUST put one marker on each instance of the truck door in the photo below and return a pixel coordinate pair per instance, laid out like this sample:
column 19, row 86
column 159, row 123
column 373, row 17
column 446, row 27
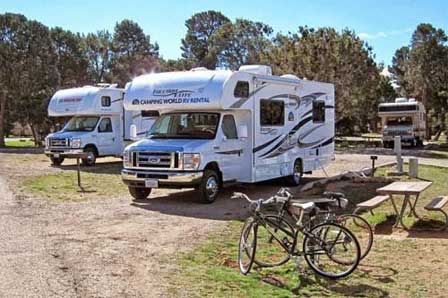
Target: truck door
column 230, row 151
column 108, row 141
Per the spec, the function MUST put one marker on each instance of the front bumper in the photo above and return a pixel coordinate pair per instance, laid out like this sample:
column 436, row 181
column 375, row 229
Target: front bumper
column 168, row 179
column 62, row 152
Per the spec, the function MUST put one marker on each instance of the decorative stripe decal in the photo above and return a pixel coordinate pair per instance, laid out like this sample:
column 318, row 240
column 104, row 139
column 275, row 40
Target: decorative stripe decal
column 275, row 147
column 120, row 99
column 261, row 147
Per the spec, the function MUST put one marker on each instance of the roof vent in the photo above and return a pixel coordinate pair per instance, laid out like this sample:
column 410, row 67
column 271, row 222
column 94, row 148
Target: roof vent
column 257, row 69
column 412, row 100
column 401, row 99
column 199, row 69
column 290, row 76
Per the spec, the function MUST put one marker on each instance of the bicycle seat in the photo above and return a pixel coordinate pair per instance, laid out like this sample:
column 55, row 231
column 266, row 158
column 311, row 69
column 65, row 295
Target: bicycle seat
column 333, row 195
column 306, row 207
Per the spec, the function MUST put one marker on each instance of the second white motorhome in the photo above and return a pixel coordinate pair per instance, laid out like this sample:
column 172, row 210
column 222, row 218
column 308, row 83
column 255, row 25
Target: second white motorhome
column 97, row 124
column 405, row 118
column 221, row 126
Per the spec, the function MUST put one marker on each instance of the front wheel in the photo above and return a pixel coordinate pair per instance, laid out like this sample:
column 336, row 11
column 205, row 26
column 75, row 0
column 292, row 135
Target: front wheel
column 139, row 193
column 90, row 160
column 331, row 250
column 209, row 187
column 56, row 161
column 247, row 245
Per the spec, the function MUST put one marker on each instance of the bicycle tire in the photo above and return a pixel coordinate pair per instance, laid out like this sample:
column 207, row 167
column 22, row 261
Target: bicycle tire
column 365, row 247
column 310, row 257
column 249, row 226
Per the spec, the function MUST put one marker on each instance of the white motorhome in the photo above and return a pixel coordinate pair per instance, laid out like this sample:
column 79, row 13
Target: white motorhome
column 219, row 126
column 405, row 118
column 98, row 123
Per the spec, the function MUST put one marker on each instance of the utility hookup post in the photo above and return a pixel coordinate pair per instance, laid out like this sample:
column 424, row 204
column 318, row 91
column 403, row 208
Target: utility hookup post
column 397, row 150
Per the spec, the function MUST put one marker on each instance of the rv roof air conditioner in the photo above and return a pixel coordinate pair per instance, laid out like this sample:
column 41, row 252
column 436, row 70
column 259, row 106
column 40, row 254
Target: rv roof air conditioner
column 257, row 69
column 290, row 76
column 401, row 99
column 199, row 69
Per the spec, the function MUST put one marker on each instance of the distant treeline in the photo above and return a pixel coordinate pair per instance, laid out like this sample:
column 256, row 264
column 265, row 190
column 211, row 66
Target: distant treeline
column 36, row 60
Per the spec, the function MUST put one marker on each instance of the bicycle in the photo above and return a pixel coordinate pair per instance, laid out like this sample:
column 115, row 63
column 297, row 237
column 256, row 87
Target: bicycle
column 329, row 249
column 324, row 213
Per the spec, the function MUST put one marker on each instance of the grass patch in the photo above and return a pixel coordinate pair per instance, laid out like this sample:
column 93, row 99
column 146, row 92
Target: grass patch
column 211, row 270
column 63, row 186
column 20, row 143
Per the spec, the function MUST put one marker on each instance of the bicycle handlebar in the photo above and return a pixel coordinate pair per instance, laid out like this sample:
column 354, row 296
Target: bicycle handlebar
column 282, row 196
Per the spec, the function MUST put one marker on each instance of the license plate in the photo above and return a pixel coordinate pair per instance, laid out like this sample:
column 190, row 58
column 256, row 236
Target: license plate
column 56, row 155
column 151, row 183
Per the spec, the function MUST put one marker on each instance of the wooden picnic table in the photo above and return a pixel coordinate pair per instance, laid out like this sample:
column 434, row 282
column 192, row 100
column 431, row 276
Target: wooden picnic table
column 405, row 190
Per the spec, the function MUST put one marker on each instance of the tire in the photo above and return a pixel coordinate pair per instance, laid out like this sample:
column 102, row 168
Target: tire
column 139, row 193
column 361, row 229
column 315, row 253
column 296, row 177
column 91, row 159
column 56, row 161
column 270, row 252
column 247, row 245
column 209, row 187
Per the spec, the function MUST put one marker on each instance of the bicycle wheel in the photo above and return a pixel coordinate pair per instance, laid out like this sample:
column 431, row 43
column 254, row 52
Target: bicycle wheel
column 360, row 228
column 247, row 245
column 331, row 250
column 270, row 252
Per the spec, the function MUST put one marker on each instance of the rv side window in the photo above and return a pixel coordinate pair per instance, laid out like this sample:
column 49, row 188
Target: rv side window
column 272, row 112
column 150, row 113
column 319, row 111
column 105, row 125
column 241, row 89
column 105, row 101
column 229, row 127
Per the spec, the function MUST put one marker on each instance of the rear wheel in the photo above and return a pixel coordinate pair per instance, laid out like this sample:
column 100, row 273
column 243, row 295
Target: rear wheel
column 361, row 229
column 56, row 161
column 139, row 193
column 209, row 187
column 90, row 160
column 247, row 245
column 296, row 177
column 331, row 250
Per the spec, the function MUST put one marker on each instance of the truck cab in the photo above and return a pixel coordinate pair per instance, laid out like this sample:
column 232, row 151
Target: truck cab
column 97, row 123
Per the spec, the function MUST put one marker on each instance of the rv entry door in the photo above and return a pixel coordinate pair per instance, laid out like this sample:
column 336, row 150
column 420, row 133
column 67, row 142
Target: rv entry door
column 230, row 150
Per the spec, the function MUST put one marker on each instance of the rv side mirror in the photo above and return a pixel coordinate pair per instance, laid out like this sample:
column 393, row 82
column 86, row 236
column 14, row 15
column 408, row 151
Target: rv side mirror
column 133, row 132
column 242, row 131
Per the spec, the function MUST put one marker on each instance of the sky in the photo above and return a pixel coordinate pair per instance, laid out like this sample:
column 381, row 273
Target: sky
column 384, row 25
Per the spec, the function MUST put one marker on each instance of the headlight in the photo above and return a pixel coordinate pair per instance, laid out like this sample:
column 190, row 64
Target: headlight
column 76, row 143
column 126, row 158
column 191, row 161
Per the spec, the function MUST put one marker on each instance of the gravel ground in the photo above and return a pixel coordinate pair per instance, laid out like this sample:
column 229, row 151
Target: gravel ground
column 109, row 248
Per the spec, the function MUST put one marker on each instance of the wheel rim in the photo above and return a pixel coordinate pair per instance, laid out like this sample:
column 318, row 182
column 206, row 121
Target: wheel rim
column 211, row 187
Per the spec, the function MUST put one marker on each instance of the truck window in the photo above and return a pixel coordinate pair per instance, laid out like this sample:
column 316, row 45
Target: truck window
column 241, row 89
column 318, row 111
column 272, row 112
column 105, row 101
column 105, row 125
column 229, row 127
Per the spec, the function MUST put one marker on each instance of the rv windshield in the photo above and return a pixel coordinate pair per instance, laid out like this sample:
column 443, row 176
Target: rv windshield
column 399, row 121
column 82, row 124
column 195, row 125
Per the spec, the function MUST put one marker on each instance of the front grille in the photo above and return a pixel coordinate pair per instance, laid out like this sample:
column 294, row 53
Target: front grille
column 155, row 160
column 59, row 142
column 396, row 132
